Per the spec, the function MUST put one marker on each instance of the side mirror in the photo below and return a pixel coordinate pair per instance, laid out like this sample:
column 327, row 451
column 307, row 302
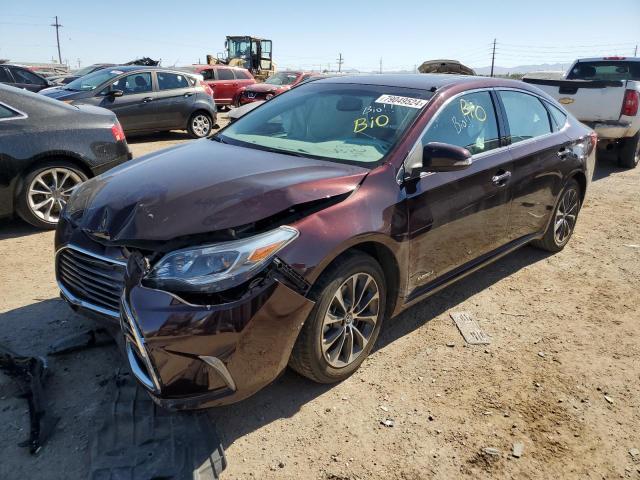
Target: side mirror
column 443, row 157
column 114, row 93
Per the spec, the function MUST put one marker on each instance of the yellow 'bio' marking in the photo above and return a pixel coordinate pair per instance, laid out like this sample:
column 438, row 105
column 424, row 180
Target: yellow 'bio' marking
column 474, row 111
column 361, row 124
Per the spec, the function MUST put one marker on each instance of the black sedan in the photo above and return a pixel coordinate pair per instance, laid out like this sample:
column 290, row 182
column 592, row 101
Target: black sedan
column 21, row 77
column 47, row 148
column 145, row 99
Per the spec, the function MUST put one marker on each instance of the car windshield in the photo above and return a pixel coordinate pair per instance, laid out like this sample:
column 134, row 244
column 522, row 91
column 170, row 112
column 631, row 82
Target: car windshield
column 84, row 71
column 93, row 80
column 347, row 123
column 282, row 79
column 605, row 70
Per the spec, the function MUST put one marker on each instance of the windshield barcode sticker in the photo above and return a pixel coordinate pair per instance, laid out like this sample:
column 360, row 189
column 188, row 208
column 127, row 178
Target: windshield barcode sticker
column 402, row 101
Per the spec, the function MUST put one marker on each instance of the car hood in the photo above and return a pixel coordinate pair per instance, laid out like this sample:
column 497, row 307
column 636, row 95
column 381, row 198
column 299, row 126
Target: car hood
column 265, row 87
column 59, row 93
column 202, row 187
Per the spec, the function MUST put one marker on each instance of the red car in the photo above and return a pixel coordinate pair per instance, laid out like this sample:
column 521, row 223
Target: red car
column 274, row 85
column 226, row 82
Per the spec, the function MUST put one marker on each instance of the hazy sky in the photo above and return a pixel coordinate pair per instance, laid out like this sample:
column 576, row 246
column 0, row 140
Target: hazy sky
column 309, row 34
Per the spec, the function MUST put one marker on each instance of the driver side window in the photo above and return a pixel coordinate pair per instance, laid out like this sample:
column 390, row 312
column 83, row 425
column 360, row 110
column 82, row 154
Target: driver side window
column 468, row 121
column 136, row 83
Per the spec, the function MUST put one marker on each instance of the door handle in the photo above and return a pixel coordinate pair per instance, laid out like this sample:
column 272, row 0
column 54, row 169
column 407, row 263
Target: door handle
column 147, row 99
column 188, row 94
column 501, row 179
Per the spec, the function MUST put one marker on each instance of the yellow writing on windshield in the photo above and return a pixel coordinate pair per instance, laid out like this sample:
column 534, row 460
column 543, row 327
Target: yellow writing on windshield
column 361, row 124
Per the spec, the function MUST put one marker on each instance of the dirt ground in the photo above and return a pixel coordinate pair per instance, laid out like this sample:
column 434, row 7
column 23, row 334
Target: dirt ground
column 562, row 374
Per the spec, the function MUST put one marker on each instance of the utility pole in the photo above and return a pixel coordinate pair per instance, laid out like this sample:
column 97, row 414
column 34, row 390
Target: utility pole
column 340, row 62
column 79, row 63
column 635, row 52
column 380, row 64
column 493, row 56
column 57, row 25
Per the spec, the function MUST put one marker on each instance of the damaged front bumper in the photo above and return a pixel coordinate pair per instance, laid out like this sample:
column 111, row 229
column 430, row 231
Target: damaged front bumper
column 188, row 353
column 193, row 356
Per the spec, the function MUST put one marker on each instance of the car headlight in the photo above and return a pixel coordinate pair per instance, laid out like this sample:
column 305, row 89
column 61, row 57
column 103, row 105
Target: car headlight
column 218, row 267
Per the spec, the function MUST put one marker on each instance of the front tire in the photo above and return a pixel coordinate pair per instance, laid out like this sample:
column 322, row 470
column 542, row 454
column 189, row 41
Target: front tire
column 629, row 154
column 45, row 191
column 563, row 221
column 345, row 322
column 200, row 125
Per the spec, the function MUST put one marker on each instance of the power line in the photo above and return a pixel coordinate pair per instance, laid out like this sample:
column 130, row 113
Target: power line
column 57, row 26
column 555, row 47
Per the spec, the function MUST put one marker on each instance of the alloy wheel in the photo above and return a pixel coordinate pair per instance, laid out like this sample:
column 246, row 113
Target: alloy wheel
column 201, row 125
column 565, row 219
column 49, row 192
column 350, row 320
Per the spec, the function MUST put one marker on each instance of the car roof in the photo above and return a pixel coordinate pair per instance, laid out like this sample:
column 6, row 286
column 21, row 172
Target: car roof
column 133, row 68
column 611, row 58
column 427, row 81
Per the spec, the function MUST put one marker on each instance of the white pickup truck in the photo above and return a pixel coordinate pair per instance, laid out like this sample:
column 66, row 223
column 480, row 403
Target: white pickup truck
column 603, row 93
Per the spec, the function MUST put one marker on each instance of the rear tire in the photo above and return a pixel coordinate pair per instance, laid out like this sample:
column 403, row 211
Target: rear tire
column 55, row 180
column 200, row 125
column 563, row 220
column 629, row 153
column 340, row 331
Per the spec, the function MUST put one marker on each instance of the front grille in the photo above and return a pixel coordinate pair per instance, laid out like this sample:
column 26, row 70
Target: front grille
column 95, row 281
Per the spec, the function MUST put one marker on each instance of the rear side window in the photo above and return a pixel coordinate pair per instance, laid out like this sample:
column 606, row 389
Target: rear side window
column 207, row 74
column 558, row 117
column 242, row 75
column 526, row 116
column 4, row 76
column 224, row 74
column 468, row 121
column 170, row 81
column 6, row 112
column 605, row 70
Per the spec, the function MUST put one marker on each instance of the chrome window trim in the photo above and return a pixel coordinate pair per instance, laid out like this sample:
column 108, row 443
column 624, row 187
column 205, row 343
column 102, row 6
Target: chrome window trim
column 21, row 115
column 542, row 100
column 418, row 143
column 479, row 156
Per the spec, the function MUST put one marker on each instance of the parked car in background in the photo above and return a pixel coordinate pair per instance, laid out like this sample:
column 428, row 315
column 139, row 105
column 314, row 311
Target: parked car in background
column 145, row 99
column 292, row 234
column 238, row 112
column 47, row 148
column 64, row 79
column 274, row 85
column 604, row 94
column 22, row 77
column 226, row 82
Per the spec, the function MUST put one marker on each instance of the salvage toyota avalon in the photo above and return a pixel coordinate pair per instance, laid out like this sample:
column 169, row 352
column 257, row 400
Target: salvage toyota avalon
column 290, row 236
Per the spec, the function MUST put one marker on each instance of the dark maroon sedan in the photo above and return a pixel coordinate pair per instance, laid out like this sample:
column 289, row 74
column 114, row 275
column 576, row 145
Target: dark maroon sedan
column 291, row 235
